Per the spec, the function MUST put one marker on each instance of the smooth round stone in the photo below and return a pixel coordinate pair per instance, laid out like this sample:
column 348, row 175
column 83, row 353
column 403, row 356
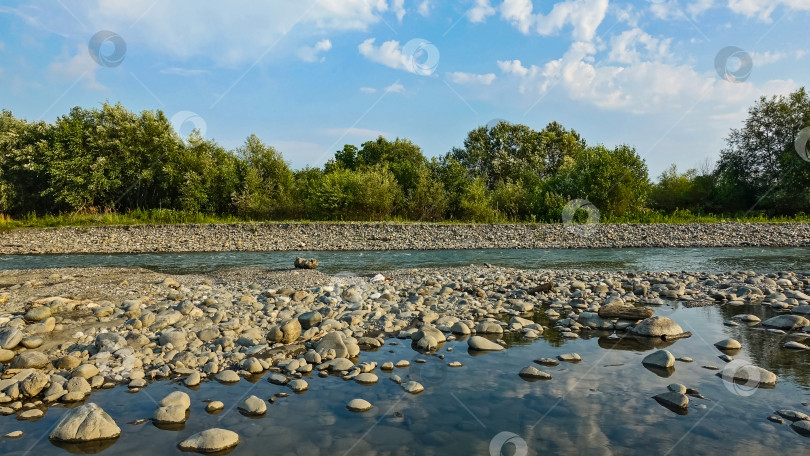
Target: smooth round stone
column 673, row 399
column 413, row 387
column 193, row 379
column 170, row 414
column 298, row 385
column 210, row 441
column 31, row 342
column 359, row 405
column 455, row 364
column 402, row 363
column 214, row 406
column 32, row 414
column 482, row 344
column 278, row 379
column 85, row 371
column 547, row 362
column 570, row 357
column 387, row 366
column 793, row 345
column 532, row 372
column 14, row 435
column 728, row 344
column 366, row 378
column 660, row 358
column 253, row 406
column 227, row 376
column 677, row 388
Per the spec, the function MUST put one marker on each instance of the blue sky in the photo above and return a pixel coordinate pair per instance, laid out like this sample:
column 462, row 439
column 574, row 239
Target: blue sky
column 308, row 76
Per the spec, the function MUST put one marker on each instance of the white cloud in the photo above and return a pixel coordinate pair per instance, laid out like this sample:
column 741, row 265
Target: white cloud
column 183, row 71
column 767, row 58
column 584, row 16
column 227, row 36
column 80, row 65
column 389, row 53
column 480, row 12
column 311, row 53
column 399, row 9
column 639, row 75
column 368, row 90
column 395, row 88
column 416, row 56
column 424, row 8
column 763, row 9
column 471, row 78
column 625, row 47
column 513, row 67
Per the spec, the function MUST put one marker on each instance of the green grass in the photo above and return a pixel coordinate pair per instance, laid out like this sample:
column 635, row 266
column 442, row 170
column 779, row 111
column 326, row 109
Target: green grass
column 174, row 217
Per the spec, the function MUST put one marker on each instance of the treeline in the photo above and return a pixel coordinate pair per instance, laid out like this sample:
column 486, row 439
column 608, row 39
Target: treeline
column 760, row 171
column 111, row 159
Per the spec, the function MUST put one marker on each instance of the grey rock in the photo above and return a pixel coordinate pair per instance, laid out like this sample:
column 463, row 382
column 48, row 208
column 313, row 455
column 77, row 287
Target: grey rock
column 306, row 263
column 481, row 344
column 534, row 373
column 673, row 399
column 85, row 423
column 728, row 344
column 359, row 405
column 786, row 322
column 30, row 359
column 210, row 441
column 660, row 358
column 253, row 406
column 657, row 326
column 227, row 376
column 10, row 338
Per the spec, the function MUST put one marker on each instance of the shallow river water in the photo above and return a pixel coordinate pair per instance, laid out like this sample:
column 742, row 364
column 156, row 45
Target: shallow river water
column 601, row 405
column 720, row 259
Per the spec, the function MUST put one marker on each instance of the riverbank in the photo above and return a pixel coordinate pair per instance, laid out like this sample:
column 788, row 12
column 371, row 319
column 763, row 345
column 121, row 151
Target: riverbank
column 393, row 236
column 67, row 334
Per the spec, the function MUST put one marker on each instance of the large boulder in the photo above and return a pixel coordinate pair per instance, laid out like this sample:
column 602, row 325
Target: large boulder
column 488, row 327
column 85, row 423
column 482, row 344
column 660, row 358
column 210, row 441
column 786, row 322
column 290, row 331
column 30, row 359
column 333, row 341
column 658, row 327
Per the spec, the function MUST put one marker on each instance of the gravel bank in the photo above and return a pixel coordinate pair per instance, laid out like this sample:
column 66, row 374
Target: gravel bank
column 67, row 333
column 393, row 236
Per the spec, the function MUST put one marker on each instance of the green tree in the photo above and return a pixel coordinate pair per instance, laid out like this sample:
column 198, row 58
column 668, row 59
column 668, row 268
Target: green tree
column 268, row 185
column 759, row 168
column 615, row 181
